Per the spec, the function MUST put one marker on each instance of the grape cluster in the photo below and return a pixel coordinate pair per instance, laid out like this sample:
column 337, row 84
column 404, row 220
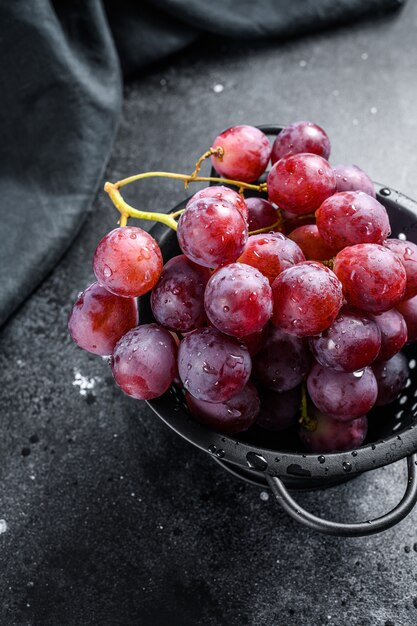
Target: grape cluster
column 297, row 326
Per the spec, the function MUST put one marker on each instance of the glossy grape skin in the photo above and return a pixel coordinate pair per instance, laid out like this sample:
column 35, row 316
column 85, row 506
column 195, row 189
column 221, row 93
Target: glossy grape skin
column 301, row 137
column 312, row 244
column 279, row 411
column 341, row 395
column 391, row 377
column 238, row 300
column 282, row 363
column 230, row 417
column 373, row 278
column 177, row 298
column 99, row 318
column 353, row 178
column 350, row 343
column 307, row 298
column 407, row 251
column 351, row 217
column 219, row 193
column 212, row 232
column 261, row 213
column 332, row 435
column 393, row 333
column 128, row 262
column 408, row 310
column 144, row 361
column 246, row 153
column 212, row 366
column 299, row 183
column 271, row 253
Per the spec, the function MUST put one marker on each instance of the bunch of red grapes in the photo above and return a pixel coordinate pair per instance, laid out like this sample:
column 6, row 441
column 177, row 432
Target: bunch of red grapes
column 270, row 329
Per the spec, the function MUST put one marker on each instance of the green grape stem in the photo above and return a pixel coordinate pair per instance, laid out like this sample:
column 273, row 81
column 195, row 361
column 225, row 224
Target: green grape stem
column 126, row 210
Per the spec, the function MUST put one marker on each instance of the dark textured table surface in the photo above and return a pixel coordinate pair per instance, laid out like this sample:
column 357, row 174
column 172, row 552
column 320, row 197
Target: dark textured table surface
column 108, row 517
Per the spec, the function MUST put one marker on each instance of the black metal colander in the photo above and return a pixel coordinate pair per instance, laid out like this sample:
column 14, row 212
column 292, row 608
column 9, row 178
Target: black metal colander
column 277, row 461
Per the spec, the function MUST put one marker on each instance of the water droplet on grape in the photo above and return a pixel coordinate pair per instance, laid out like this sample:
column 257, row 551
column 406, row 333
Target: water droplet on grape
column 107, row 271
column 321, row 459
column 346, row 466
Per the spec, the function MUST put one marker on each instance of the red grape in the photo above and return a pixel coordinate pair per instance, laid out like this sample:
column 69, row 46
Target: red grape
column 212, row 232
column 301, row 137
column 342, row 395
column 350, row 343
column 282, row 363
column 246, row 153
column 213, row 366
column 391, row 377
column 299, row 183
column 373, row 277
column 307, row 298
column 352, row 178
column 351, row 217
column 393, row 333
column 99, row 318
column 128, row 261
column 177, row 299
column 219, row 193
column 261, row 213
column 312, row 244
column 271, row 253
column 238, row 300
column 331, row 435
column 144, row 361
column 407, row 251
column 233, row 416
column 408, row 310
column 279, row 411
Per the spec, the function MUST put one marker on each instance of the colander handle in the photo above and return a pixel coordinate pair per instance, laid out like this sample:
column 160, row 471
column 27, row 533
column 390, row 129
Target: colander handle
column 360, row 529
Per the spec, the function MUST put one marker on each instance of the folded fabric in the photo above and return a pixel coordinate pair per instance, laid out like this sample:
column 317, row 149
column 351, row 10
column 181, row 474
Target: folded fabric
column 62, row 93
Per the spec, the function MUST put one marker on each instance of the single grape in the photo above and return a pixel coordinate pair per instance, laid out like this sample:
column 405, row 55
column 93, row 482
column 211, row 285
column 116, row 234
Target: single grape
column 271, row 253
column 331, row 435
column 246, row 152
column 373, row 277
column 312, row 244
column 407, row 251
column 144, row 361
column 233, row 416
column 307, row 298
column 127, row 262
column 299, row 183
column 282, row 363
column 219, row 193
column 212, row 232
column 342, row 395
column 393, row 333
column 213, row 366
column 177, row 299
column 351, row 217
column 408, row 310
column 99, row 318
column 391, row 377
column 350, row 343
column 279, row 411
column 238, row 300
column 261, row 213
column 352, row 178
column 301, row 137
